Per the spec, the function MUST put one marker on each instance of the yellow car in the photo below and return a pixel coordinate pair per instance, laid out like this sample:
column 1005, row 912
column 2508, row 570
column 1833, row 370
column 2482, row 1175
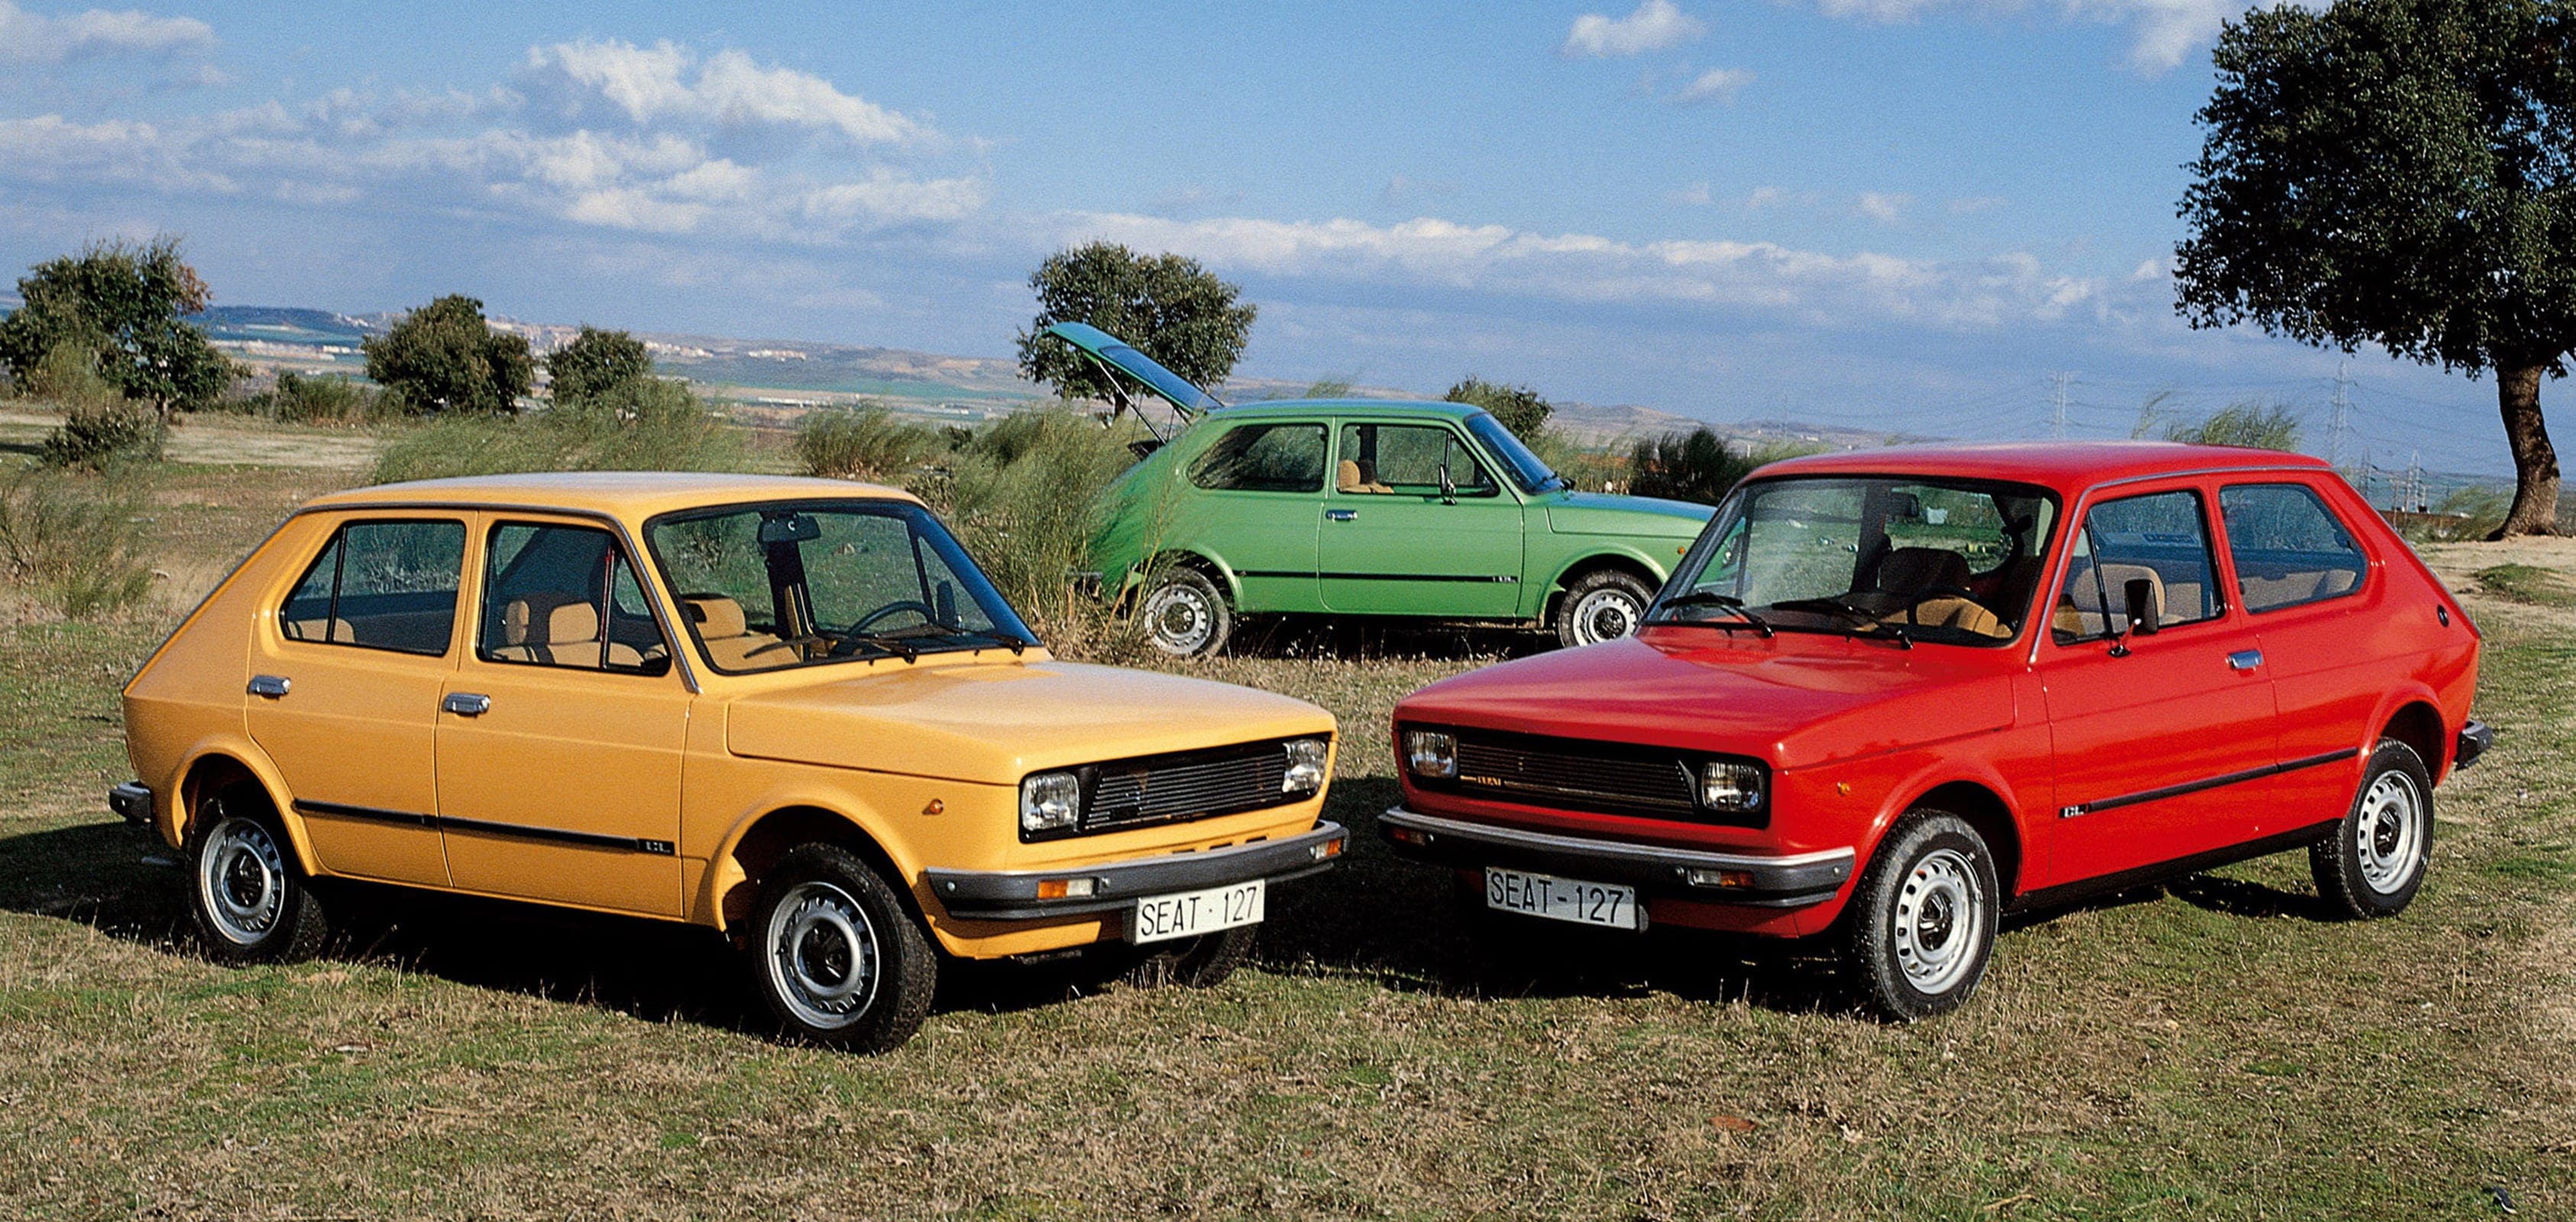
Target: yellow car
column 790, row 710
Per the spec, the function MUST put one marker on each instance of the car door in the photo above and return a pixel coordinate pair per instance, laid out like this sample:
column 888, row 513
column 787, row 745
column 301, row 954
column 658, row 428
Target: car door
column 560, row 733
column 346, row 675
column 1394, row 544
column 1254, row 501
column 2162, row 742
column 2304, row 582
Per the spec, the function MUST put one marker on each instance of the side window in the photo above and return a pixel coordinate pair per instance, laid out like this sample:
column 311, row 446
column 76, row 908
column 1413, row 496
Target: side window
column 2288, row 547
column 381, row 585
column 1264, row 458
column 1407, row 458
column 2161, row 539
column 566, row 596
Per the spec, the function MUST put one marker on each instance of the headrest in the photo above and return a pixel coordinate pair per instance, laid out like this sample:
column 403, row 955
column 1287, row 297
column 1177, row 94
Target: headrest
column 566, row 618
column 1912, row 570
column 715, row 615
column 1347, row 476
column 572, row 623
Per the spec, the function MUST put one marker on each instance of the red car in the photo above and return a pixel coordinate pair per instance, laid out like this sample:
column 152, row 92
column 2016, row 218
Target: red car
column 1889, row 696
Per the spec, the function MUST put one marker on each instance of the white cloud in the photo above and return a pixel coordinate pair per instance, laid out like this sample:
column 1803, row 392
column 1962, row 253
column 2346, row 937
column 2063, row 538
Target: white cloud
column 1714, row 85
column 2162, row 32
column 1696, row 195
column 1884, row 208
column 2152, row 269
column 1656, row 25
column 32, row 38
column 1766, row 197
column 647, row 84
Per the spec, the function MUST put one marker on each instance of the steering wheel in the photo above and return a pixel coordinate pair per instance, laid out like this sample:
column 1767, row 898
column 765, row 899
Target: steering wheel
column 847, row 641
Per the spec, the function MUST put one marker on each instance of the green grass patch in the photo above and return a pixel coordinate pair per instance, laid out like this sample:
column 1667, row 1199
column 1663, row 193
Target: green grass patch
column 2524, row 583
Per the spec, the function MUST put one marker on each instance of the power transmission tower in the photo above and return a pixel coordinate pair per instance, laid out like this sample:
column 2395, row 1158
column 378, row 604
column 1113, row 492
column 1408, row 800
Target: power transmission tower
column 2341, row 422
column 2415, row 500
column 2057, row 421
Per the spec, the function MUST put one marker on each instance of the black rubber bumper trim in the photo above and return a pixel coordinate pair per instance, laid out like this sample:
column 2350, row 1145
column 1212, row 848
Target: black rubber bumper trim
column 1778, row 882
column 1012, row 895
column 2476, row 739
column 132, row 801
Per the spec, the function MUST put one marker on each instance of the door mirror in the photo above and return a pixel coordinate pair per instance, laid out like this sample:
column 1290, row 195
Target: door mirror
column 2142, row 605
column 1448, row 486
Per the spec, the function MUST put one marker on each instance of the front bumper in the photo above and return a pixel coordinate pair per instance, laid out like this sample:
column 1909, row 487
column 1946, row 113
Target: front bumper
column 2475, row 739
column 1787, row 881
column 132, row 801
column 1012, row 895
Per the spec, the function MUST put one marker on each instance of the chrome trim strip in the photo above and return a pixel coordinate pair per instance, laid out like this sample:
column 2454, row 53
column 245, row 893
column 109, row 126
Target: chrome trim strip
column 2223, row 779
column 1647, row 853
column 522, row 831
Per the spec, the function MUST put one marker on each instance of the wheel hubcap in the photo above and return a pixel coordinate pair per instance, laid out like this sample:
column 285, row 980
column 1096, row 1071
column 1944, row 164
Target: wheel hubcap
column 2389, row 832
column 241, row 879
column 1940, row 920
column 1605, row 615
column 1179, row 619
column 823, row 955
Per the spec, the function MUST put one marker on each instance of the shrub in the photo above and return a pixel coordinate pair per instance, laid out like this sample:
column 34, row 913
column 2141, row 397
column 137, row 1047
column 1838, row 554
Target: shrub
column 2253, row 425
column 1696, row 466
column 644, row 424
column 102, row 428
column 871, row 444
column 326, row 399
column 1517, row 408
column 1024, row 496
column 594, row 362
column 73, row 542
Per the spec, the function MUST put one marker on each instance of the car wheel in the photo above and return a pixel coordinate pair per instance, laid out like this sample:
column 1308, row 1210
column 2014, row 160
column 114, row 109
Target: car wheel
column 251, row 902
column 2376, row 858
column 836, row 955
column 1922, row 921
column 1602, row 606
column 1185, row 614
column 1202, row 962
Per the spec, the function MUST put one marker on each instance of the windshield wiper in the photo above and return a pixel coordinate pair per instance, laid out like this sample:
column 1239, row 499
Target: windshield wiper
column 1860, row 616
column 1711, row 598
column 885, row 643
column 1012, row 643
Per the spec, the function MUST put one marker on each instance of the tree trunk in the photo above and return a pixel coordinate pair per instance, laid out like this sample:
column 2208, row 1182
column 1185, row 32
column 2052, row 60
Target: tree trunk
column 2535, row 464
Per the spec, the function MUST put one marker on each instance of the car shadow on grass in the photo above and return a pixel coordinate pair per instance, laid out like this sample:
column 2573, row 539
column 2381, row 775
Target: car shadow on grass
column 1358, row 638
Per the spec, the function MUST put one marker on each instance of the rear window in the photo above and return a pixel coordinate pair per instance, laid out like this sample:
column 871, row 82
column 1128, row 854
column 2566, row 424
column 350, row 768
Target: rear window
column 381, row 585
column 2288, row 547
column 1263, row 458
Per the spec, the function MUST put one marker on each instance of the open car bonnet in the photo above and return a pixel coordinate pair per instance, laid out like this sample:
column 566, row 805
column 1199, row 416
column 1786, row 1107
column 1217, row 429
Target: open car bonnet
column 1118, row 354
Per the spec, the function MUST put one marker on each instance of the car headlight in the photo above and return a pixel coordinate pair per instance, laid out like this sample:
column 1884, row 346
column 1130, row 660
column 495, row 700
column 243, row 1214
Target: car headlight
column 1431, row 753
column 1730, row 785
column 1306, row 758
column 1049, row 802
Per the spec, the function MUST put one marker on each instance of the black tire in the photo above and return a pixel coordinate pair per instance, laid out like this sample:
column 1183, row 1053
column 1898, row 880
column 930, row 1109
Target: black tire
column 2393, row 810
column 1905, row 952
column 1185, row 615
column 1202, row 962
column 836, row 955
column 1601, row 606
column 251, row 901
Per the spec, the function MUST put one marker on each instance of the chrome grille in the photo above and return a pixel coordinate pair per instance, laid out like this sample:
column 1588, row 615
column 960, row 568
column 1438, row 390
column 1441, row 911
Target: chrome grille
column 1185, row 785
column 1575, row 773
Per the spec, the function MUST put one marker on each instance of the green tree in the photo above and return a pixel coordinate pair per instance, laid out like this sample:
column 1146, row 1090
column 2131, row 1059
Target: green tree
column 444, row 357
column 124, row 302
column 1167, row 306
column 1519, row 408
column 594, row 361
column 2399, row 173
column 1695, row 466
column 2252, row 425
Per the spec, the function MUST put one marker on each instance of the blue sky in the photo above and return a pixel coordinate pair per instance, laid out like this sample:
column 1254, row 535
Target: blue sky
column 1885, row 213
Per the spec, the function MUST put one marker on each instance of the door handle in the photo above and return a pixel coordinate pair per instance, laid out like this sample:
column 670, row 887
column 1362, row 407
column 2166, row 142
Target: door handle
column 1342, row 515
column 271, row 686
column 466, row 704
column 2245, row 659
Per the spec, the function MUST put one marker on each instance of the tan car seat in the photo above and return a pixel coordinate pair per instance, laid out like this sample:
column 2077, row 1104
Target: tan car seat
column 727, row 632
column 1908, row 572
column 557, row 630
column 1355, row 476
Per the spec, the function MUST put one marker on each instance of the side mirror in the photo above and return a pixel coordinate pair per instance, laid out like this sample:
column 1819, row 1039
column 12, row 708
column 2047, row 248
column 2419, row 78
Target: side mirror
column 1448, row 486
column 943, row 604
column 2142, row 605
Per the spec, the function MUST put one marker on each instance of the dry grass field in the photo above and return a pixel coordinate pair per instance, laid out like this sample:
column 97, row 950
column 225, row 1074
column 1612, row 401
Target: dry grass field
column 2213, row 1049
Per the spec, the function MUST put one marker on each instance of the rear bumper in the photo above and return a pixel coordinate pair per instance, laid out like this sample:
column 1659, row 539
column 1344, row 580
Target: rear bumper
column 132, row 801
column 1012, row 895
column 2475, row 738
column 1752, row 880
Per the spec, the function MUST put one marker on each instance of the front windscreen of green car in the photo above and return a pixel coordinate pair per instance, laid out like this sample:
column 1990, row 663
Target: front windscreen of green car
column 1927, row 559
column 802, row 583
column 1526, row 469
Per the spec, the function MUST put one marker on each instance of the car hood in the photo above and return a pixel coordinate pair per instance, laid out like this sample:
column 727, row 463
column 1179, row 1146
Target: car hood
column 1599, row 513
column 1794, row 700
column 997, row 722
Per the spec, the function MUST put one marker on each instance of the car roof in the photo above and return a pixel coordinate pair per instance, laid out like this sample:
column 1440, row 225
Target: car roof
column 2067, row 466
column 626, row 494
column 1345, row 407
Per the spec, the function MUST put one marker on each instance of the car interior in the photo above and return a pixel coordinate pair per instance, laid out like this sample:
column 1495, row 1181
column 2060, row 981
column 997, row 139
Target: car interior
column 381, row 585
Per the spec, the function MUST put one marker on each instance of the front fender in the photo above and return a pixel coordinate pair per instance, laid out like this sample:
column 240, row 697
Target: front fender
column 724, row 869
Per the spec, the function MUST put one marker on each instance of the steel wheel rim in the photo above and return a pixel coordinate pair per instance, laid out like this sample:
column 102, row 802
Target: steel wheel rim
column 2388, row 834
column 241, row 880
column 1605, row 615
column 1940, row 921
column 823, row 958
column 1179, row 619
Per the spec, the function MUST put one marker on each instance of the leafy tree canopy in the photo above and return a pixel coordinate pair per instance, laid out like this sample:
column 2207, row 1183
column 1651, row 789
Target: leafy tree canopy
column 595, row 361
column 123, row 301
column 1167, row 306
column 444, row 357
column 1519, row 408
column 2399, row 173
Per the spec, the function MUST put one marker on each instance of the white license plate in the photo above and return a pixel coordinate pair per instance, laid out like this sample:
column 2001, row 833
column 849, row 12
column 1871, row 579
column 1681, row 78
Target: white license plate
column 1562, row 899
column 1160, row 918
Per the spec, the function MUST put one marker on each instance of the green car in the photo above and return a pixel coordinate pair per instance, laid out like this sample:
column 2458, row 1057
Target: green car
column 1365, row 507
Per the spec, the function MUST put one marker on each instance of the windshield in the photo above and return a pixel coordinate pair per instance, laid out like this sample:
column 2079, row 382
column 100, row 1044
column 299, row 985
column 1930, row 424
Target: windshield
column 1926, row 560
column 1524, row 467
column 764, row 587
